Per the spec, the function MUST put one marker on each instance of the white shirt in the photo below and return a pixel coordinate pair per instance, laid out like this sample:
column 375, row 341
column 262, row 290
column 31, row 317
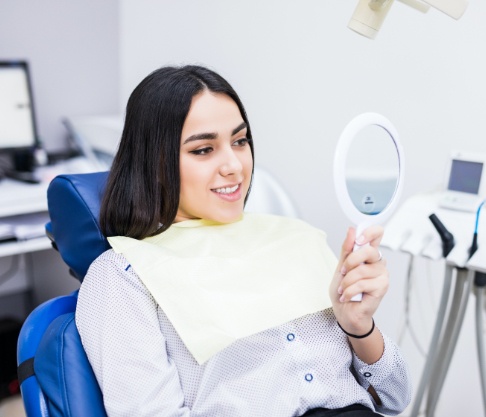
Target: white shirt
column 144, row 369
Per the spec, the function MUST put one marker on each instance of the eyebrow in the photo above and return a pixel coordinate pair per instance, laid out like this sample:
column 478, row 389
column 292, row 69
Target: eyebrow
column 206, row 136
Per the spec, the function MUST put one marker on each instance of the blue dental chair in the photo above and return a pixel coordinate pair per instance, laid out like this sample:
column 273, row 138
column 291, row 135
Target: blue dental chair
column 55, row 376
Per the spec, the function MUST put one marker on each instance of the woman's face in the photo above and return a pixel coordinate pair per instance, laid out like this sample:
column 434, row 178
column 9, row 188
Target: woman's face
column 215, row 160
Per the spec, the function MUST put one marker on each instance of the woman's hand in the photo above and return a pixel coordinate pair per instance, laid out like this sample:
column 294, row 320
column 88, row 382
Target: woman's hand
column 361, row 271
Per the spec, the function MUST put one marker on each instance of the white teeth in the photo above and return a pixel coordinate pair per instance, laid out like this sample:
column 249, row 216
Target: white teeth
column 226, row 190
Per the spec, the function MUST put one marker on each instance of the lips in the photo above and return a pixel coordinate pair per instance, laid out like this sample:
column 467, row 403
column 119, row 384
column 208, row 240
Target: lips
column 229, row 194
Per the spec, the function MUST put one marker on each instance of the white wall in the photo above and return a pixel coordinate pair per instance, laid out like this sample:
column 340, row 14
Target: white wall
column 72, row 49
column 302, row 76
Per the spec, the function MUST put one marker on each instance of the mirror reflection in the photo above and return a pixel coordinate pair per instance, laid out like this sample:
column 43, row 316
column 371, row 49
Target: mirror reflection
column 372, row 169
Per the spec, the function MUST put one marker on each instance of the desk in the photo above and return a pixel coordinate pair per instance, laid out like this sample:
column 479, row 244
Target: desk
column 39, row 272
column 42, row 271
column 18, row 198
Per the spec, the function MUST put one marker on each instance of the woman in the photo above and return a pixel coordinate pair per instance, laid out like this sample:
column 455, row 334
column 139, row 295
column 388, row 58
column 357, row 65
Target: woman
column 201, row 310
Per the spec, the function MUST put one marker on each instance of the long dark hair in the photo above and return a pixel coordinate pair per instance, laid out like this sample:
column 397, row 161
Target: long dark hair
column 142, row 193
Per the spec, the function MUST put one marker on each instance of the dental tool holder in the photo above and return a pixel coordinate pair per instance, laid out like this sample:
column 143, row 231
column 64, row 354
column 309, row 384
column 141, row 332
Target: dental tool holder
column 411, row 231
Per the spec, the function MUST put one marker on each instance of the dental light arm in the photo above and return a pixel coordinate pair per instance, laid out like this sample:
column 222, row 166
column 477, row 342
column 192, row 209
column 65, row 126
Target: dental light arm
column 417, row 5
column 370, row 14
column 452, row 8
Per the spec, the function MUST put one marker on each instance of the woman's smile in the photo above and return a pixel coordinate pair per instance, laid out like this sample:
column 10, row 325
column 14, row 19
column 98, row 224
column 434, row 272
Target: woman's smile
column 229, row 193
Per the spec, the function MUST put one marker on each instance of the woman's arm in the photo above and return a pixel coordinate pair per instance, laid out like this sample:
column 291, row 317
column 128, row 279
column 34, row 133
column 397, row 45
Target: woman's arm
column 361, row 271
column 117, row 319
column 387, row 380
column 364, row 271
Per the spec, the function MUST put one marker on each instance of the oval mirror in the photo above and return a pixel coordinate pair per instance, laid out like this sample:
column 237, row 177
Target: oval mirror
column 368, row 170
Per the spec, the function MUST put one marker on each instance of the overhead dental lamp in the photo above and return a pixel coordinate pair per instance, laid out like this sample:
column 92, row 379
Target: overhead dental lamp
column 369, row 14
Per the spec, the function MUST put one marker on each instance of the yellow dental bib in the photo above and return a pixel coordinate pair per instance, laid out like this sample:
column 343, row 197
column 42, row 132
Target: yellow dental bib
column 218, row 283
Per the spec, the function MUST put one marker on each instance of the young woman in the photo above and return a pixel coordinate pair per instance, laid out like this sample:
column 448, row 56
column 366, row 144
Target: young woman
column 202, row 310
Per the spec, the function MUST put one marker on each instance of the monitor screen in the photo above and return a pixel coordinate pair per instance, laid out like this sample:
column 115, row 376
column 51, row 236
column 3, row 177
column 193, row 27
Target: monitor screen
column 17, row 121
column 465, row 176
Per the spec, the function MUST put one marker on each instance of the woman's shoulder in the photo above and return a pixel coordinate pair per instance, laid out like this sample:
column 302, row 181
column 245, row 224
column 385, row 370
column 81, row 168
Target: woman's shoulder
column 109, row 263
column 112, row 270
column 110, row 258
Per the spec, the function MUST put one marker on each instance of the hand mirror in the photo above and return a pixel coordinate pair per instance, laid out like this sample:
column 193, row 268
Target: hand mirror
column 368, row 171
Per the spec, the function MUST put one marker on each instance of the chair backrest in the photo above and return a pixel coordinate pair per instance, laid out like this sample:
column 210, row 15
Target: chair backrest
column 32, row 331
column 55, row 375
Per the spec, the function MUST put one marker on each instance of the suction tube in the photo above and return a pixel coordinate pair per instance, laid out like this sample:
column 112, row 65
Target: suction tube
column 474, row 244
column 446, row 236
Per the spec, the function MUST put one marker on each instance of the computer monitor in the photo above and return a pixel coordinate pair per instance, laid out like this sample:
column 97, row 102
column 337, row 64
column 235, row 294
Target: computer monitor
column 18, row 130
column 17, row 120
column 465, row 182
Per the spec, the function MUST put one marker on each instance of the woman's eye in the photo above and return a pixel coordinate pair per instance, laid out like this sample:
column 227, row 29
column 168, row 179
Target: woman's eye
column 242, row 142
column 202, row 151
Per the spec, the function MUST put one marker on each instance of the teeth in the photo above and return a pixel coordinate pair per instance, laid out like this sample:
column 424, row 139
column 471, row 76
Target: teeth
column 226, row 190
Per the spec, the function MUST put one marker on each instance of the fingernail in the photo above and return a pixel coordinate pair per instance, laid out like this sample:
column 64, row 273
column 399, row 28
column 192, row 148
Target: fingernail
column 342, row 299
column 343, row 271
column 340, row 290
column 360, row 239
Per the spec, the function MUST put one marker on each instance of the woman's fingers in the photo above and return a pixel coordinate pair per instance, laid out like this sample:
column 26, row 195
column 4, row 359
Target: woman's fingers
column 362, row 270
column 372, row 235
column 366, row 278
column 364, row 255
column 348, row 245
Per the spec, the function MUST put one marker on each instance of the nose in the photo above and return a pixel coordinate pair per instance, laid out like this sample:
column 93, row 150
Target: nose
column 230, row 163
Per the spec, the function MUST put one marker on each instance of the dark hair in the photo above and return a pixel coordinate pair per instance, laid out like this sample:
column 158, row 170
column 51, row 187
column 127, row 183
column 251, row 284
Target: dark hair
column 143, row 186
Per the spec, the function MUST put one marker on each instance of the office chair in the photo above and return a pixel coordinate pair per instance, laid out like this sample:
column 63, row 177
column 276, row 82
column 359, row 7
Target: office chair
column 55, row 376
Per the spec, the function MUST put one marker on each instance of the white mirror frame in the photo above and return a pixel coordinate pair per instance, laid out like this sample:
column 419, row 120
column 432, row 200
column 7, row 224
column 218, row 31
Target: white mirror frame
column 362, row 220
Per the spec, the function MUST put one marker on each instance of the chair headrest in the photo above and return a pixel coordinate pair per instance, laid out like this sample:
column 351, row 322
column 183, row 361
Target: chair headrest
column 74, row 206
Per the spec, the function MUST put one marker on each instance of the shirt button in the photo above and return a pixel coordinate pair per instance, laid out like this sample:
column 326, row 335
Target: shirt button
column 309, row 377
column 290, row 337
column 367, row 374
